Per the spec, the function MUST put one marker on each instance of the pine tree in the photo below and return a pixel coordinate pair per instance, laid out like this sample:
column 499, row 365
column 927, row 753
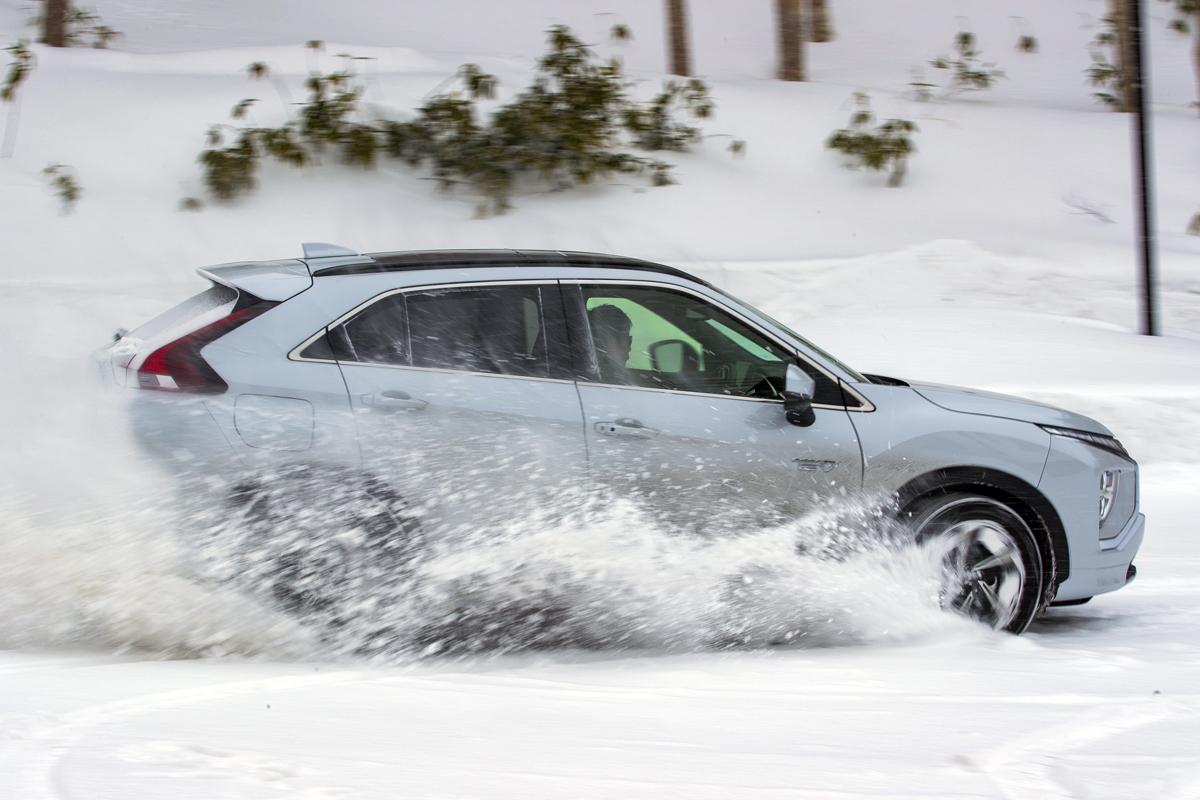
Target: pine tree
column 677, row 37
column 789, row 22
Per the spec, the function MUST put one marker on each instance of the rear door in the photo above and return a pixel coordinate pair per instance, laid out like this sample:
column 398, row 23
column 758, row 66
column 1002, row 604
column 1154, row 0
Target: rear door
column 463, row 400
column 683, row 410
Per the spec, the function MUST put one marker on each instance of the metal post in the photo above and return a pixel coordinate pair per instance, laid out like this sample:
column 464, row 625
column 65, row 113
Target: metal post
column 1143, row 170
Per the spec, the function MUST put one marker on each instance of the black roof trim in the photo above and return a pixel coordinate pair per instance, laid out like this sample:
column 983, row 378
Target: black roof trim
column 449, row 259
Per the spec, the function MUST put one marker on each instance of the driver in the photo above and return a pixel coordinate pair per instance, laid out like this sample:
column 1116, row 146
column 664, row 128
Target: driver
column 612, row 335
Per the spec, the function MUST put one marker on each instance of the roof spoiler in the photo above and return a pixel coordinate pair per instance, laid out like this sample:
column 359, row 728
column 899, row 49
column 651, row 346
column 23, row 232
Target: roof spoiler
column 275, row 281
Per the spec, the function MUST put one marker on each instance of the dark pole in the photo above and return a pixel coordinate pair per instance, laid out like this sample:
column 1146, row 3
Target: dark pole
column 1143, row 170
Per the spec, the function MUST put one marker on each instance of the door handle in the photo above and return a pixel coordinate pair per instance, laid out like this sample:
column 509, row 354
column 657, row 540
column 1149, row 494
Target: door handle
column 814, row 465
column 628, row 428
column 393, row 400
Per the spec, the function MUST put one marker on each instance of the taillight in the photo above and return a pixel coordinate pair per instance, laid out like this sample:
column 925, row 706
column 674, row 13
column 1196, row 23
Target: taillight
column 178, row 367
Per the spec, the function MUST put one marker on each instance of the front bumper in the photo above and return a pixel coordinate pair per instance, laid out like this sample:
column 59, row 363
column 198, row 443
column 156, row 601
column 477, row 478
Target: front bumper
column 1071, row 482
column 1108, row 567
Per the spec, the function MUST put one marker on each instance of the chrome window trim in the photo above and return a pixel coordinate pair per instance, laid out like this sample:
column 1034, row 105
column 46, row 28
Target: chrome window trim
column 774, row 400
column 445, row 370
column 865, row 406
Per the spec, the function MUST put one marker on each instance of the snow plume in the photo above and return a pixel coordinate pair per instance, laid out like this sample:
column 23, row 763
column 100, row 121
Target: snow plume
column 89, row 551
column 612, row 579
column 601, row 580
column 115, row 579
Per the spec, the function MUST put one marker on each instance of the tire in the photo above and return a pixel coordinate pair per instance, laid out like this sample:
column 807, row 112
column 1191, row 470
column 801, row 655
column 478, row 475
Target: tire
column 992, row 568
column 314, row 548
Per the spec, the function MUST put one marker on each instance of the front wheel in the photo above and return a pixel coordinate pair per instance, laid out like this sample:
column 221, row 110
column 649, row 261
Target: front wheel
column 992, row 569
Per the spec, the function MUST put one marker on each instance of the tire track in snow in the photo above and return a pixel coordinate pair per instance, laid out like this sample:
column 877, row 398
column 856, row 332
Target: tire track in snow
column 30, row 761
column 1023, row 768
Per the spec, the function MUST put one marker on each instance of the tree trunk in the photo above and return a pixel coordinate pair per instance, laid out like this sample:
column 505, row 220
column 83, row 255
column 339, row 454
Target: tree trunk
column 790, row 21
column 820, row 29
column 1196, row 53
column 1123, row 12
column 54, row 22
column 677, row 38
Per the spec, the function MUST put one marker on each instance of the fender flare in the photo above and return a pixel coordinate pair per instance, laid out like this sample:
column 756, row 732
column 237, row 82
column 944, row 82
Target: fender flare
column 1024, row 498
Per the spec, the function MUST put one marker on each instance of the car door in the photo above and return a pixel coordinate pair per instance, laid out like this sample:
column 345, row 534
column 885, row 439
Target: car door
column 463, row 400
column 683, row 411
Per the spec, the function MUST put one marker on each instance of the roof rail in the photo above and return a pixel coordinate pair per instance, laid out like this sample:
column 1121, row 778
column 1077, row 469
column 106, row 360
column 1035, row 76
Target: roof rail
column 463, row 259
column 326, row 250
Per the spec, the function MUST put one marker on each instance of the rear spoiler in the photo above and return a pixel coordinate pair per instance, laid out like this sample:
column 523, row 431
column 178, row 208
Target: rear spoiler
column 274, row 281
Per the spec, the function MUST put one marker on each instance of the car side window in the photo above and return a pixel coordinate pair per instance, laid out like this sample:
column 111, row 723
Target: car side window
column 654, row 337
column 492, row 329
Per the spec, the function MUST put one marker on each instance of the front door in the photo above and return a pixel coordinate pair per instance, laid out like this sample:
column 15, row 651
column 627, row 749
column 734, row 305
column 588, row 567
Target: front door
column 683, row 411
column 462, row 400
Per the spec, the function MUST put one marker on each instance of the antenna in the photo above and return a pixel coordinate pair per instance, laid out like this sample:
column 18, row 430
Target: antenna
column 326, row 250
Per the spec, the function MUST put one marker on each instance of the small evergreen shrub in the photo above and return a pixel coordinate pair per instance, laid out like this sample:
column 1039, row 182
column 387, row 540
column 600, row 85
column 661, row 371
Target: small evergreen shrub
column 63, row 182
column 1193, row 227
column 191, row 204
column 573, row 125
column 879, row 147
column 1186, row 19
column 18, row 69
column 967, row 71
column 1105, row 74
column 1026, row 41
column 657, row 125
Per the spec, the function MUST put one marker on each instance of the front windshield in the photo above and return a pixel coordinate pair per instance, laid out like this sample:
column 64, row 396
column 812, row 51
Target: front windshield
column 854, row 374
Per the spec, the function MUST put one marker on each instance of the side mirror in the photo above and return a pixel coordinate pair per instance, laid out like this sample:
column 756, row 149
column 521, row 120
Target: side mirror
column 798, row 391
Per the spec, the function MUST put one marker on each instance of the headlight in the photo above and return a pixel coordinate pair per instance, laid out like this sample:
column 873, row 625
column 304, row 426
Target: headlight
column 1109, row 480
column 1109, row 443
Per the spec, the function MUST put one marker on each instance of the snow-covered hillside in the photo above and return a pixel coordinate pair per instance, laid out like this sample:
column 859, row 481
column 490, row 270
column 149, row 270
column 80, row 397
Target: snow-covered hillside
column 977, row 271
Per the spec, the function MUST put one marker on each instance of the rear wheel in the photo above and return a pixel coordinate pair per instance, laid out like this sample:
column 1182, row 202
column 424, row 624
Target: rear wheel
column 321, row 547
column 992, row 568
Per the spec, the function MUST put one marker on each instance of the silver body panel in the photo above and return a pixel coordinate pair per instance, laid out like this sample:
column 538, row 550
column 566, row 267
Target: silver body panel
column 473, row 450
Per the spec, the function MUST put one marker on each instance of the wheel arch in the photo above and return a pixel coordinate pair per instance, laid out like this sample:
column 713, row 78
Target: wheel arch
column 1025, row 499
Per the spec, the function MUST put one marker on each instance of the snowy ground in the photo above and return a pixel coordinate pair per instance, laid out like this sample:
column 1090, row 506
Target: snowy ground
column 123, row 679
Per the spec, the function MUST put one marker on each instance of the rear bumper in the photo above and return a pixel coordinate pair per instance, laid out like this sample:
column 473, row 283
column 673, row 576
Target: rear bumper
column 1108, row 567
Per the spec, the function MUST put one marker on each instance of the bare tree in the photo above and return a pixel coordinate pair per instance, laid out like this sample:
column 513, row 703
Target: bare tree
column 54, row 22
column 789, row 19
column 679, row 50
column 820, row 29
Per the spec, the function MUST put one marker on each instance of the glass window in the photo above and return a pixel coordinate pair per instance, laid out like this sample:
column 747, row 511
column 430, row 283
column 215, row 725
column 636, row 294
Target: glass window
column 376, row 335
column 660, row 338
column 494, row 329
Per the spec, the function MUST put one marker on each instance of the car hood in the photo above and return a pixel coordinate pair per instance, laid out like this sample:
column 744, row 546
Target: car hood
column 992, row 404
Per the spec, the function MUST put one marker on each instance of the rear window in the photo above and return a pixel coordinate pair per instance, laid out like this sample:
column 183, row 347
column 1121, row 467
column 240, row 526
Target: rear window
column 189, row 310
column 499, row 330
